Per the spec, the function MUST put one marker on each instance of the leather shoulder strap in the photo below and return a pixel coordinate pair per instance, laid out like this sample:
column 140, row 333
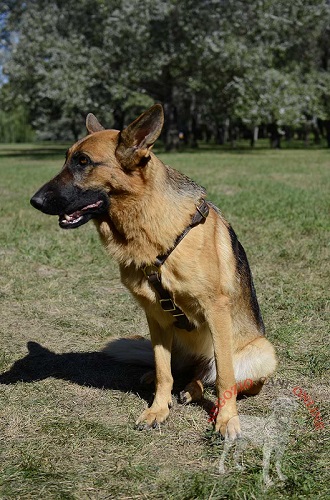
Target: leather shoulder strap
column 153, row 272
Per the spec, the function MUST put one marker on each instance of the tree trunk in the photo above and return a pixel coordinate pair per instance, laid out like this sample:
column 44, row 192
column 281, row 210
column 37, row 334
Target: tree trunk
column 254, row 135
column 226, row 130
column 327, row 128
column 219, row 135
column 171, row 133
column 194, row 132
column 119, row 118
column 274, row 136
column 74, row 130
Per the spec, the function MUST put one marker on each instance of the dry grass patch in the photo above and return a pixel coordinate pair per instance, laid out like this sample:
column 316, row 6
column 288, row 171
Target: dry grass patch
column 67, row 413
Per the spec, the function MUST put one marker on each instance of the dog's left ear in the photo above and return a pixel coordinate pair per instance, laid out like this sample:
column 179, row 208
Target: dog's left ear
column 137, row 139
column 92, row 124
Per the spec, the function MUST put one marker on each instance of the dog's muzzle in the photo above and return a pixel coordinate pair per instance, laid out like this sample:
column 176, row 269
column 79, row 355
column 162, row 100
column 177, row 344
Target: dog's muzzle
column 73, row 205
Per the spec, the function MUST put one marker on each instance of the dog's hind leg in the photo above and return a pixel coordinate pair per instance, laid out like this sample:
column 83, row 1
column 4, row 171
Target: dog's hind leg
column 192, row 392
column 252, row 365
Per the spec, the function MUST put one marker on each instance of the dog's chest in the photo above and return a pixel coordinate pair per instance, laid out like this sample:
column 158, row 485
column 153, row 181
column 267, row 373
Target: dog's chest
column 136, row 283
column 140, row 288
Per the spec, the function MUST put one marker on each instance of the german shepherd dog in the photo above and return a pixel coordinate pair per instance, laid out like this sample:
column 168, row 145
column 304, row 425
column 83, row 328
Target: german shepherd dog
column 144, row 210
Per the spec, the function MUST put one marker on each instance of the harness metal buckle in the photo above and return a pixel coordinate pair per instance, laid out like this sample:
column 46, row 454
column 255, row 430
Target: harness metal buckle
column 151, row 269
column 203, row 209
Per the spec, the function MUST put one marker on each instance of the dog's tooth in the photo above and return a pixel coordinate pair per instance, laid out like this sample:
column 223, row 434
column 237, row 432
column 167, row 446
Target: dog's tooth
column 67, row 217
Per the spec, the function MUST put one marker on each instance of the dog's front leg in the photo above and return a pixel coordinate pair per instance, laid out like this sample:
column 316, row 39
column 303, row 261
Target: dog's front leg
column 159, row 410
column 219, row 319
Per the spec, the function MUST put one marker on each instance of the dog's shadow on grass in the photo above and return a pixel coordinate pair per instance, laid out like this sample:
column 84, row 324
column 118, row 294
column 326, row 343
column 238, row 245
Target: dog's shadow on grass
column 90, row 369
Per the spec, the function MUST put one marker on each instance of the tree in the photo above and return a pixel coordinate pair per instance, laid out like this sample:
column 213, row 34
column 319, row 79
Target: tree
column 268, row 55
column 211, row 63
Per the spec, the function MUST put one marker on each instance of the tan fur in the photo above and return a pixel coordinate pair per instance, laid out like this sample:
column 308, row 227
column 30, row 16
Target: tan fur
column 147, row 212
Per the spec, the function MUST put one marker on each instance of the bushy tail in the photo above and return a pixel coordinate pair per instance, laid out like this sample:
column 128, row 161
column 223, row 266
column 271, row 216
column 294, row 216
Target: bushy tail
column 256, row 361
column 132, row 350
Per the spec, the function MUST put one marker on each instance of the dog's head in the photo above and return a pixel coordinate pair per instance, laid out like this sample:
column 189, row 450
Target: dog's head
column 101, row 165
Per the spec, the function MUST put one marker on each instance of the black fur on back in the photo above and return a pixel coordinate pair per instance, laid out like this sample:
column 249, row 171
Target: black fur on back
column 244, row 272
column 184, row 185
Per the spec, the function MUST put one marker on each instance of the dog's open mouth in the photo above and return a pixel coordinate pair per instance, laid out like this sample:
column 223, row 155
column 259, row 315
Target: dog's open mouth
column 79, row 217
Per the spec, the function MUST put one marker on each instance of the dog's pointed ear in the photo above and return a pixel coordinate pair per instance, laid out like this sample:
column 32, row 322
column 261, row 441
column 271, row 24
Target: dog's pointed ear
column 137, row 139
column 92, row 124
column 35, row 348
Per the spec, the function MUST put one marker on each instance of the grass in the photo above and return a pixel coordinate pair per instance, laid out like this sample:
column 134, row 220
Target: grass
column 67, row 414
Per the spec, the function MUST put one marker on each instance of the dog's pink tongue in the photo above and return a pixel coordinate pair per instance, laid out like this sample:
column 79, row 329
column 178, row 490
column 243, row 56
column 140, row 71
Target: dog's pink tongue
column 93, row 205
column 78, row 213
column 73, row 216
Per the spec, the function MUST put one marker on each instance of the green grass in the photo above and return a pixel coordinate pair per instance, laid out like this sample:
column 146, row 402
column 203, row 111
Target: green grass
column 67, row 431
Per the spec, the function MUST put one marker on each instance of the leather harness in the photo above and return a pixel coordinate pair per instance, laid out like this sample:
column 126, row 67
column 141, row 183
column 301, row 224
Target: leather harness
column 153, row 272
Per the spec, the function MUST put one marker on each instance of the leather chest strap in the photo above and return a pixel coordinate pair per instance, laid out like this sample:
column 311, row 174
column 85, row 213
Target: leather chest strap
column 153, row 272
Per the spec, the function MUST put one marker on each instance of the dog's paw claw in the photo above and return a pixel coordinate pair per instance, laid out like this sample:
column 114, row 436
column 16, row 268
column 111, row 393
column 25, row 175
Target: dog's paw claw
column 142, row 427
column 151, row 418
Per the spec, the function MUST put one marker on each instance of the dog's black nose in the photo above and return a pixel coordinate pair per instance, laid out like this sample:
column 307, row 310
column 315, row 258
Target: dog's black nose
column 37, row 201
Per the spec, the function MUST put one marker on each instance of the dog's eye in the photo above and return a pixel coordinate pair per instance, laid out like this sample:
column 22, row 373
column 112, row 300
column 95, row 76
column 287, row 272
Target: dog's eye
column 83, row 160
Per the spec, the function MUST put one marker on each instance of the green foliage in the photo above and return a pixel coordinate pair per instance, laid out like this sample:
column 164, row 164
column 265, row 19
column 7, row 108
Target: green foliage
column 275, row 96
column 255, row 62
column 14, row 126
column 14, row 119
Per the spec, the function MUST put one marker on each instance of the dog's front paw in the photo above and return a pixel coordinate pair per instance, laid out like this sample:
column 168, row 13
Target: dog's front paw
column 152, row 417
column 228, row 427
